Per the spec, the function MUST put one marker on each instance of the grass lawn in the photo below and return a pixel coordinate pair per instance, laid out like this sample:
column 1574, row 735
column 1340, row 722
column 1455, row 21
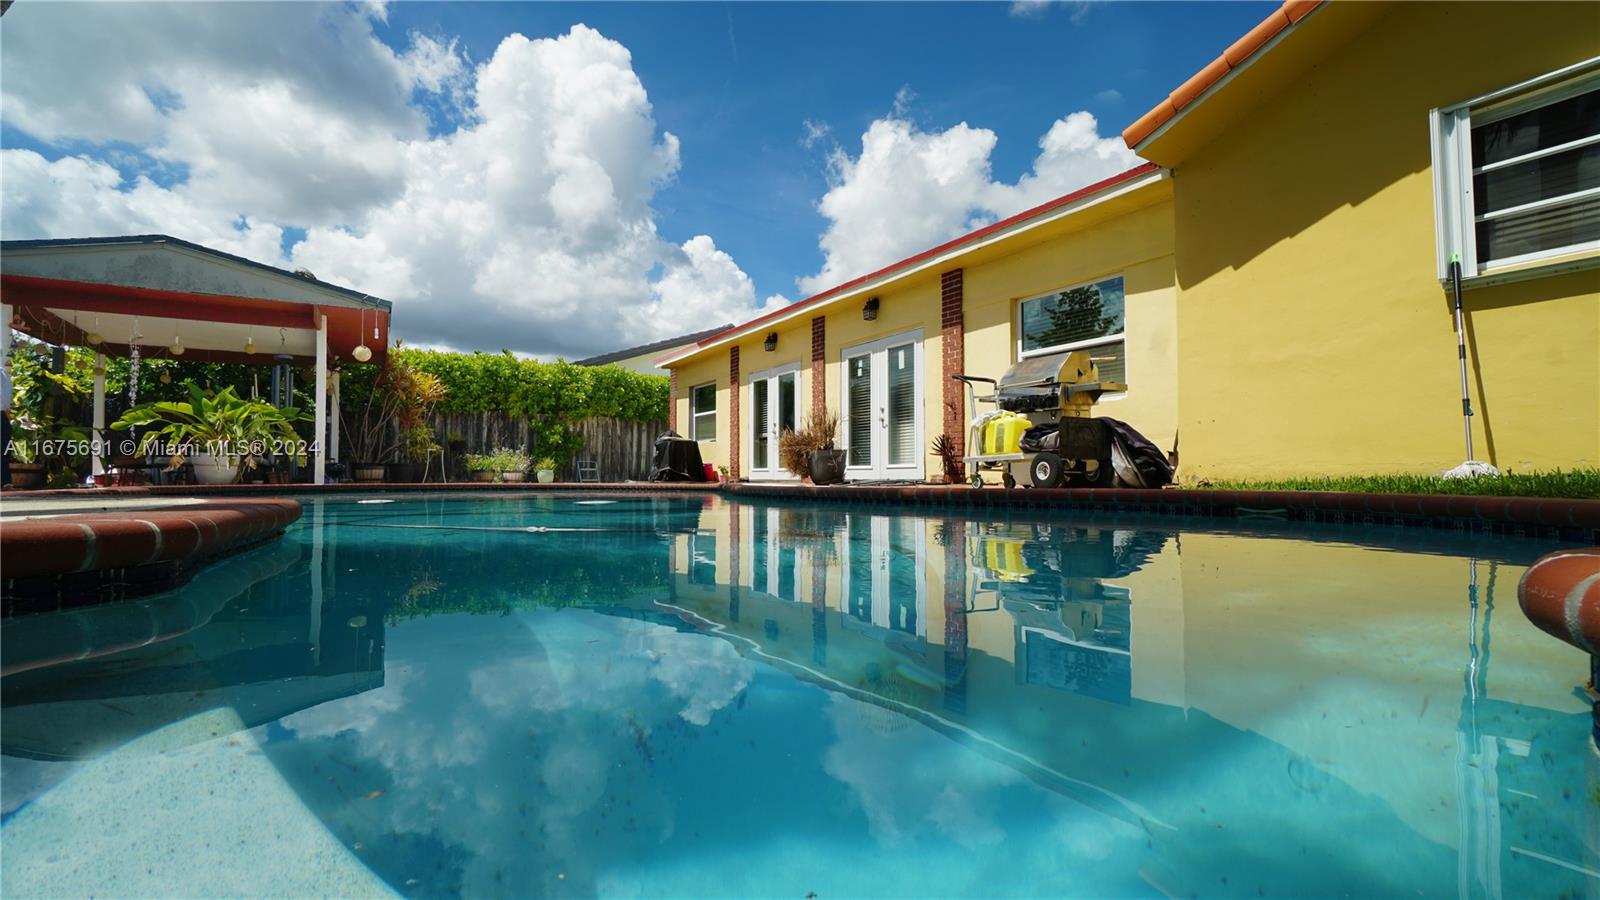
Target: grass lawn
column 1579, row 483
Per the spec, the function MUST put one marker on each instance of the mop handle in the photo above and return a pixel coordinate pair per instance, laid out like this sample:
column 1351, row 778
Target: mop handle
column 1461, row 350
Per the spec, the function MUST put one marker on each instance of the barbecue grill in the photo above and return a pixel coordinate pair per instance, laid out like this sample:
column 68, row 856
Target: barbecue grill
column 1056, row 389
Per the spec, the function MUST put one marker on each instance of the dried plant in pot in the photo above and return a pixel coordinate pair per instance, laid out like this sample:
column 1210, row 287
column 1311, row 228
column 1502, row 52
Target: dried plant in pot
column 810, row 453
column 944, row 447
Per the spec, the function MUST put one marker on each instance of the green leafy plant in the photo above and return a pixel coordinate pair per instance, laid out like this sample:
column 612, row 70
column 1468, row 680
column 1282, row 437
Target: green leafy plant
column 545, row 463
column 224, row 424
column 944, row 447
column 552, row 396
column 482, row 462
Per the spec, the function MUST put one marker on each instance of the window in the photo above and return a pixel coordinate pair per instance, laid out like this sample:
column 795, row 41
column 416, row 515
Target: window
column 1082, row 317
column 1517, row 173
column 703, row 412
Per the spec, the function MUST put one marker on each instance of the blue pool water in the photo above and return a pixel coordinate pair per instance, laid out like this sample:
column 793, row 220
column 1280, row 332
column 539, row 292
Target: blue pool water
column 688, row 697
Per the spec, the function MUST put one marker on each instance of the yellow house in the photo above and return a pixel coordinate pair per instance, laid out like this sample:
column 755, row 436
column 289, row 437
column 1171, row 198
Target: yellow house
column 879, row 351
column 1325, row 168
column 1274, row 280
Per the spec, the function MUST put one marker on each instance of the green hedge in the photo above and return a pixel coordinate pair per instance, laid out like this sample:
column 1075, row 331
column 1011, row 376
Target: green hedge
column 500, row 382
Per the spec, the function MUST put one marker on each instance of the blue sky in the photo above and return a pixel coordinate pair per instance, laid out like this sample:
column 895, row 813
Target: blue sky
column 509, row 176
column 737, row 81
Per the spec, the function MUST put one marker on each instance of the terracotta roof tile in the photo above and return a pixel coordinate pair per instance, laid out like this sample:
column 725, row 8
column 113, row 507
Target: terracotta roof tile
column 1236, row 55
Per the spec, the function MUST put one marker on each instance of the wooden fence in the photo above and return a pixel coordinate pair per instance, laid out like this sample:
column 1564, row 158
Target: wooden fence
column 623, row 449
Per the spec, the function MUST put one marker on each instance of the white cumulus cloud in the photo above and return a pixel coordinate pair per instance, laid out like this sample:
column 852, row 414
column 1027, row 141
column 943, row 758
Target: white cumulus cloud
column 909, row 189
column 526, row 224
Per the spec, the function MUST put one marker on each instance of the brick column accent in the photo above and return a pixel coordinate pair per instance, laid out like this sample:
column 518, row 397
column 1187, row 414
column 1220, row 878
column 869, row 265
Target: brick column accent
column 733, row 414
column 951, row 296
column 672, row 399
column 819, row 367
column 955, row 615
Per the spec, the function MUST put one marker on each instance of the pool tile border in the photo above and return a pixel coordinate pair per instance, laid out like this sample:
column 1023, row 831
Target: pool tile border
column 1570, row 520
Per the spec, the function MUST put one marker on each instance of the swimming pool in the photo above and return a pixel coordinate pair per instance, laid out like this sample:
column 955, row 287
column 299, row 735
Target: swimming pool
column 684, row 695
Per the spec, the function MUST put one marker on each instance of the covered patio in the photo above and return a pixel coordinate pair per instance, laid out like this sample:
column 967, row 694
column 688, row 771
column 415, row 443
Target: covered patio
column 156, row 296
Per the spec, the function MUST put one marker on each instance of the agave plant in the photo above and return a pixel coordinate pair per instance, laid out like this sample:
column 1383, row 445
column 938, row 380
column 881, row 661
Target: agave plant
column 224, row 424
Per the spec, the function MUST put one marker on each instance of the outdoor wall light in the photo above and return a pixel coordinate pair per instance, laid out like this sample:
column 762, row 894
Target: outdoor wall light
column 771, row 343
column 870, row 311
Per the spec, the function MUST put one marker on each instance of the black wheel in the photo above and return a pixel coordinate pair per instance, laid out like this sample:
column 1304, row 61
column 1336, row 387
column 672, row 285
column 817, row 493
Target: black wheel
column 1102, row 477
column 1009, row 481
column 1046, row 470
column 976, row 480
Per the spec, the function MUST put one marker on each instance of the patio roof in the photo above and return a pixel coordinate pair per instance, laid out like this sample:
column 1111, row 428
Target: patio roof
column 159, row 291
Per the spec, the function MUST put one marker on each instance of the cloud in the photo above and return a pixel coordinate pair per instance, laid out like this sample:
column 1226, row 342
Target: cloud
column 816, row 132
column 908, row 189
column 1109, row 95
column 1078, row 10
column 1029, row 9
column 503, row 204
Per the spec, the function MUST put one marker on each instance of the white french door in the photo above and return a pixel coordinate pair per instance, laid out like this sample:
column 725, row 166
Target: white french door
column 883, row 582
column 773, row 404
column 882, row 410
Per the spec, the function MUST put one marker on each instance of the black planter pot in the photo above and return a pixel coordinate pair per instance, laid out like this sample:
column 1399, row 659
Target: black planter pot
column 404, row 473
column 827, row 466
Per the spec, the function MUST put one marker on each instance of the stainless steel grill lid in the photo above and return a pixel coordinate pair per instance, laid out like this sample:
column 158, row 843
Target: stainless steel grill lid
column 1033, row 383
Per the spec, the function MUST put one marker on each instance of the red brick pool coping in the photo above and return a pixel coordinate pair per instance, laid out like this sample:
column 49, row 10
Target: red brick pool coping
column 56, row 545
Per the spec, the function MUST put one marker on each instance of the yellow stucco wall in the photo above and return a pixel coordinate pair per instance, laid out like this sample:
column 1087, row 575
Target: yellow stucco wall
column 1137, row 246
column 1316, row 338
column 1133, row 239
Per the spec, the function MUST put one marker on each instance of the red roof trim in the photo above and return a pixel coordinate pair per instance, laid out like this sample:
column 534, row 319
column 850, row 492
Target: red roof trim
column 1236, row 56
column 968, row 238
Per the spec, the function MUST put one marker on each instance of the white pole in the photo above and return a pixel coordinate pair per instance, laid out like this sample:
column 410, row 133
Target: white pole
column 97, row 461
column 319, row 470
column 333, row 420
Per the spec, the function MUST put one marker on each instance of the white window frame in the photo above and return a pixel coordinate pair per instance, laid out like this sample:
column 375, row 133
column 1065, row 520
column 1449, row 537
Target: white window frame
column 775, row 470
column 1088, row 343
column 694, row 414
column 1455, row 212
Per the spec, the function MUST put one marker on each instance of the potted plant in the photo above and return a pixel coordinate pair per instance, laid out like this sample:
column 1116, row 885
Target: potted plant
column 809, row 452
column 483, row 466
column 215, row 433
column 546, row 469
column 415, row 443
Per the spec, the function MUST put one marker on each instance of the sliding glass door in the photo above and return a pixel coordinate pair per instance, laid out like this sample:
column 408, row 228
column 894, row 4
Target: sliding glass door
column 883, row 403
column 773, row 403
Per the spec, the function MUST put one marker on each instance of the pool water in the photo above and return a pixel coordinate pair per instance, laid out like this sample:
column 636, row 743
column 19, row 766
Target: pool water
column 683, row 696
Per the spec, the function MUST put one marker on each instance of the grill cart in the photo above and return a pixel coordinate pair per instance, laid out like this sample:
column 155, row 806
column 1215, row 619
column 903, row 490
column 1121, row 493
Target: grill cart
column 1057, row 391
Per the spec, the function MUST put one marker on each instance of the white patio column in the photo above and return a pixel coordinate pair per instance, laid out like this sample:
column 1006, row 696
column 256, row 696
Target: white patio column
column 5, row 355
column 333, row 420
column 319, row 469
column 97, row 460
